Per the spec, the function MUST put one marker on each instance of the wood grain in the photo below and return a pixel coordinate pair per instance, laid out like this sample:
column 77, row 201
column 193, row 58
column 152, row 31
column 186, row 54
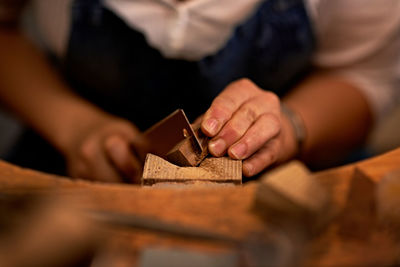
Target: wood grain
column 218, row 170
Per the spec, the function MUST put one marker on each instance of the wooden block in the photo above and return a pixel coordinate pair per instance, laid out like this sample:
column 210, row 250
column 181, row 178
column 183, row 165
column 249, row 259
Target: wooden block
column 388, row 201
column 290, row 195
column 358, row 217
column 218, row 170
column 187, row 152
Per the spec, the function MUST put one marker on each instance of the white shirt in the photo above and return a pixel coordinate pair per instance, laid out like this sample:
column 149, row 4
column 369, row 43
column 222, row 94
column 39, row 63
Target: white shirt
column 359, row 40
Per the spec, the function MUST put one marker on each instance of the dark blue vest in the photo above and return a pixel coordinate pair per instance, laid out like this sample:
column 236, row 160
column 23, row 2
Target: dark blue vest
column 112, row 65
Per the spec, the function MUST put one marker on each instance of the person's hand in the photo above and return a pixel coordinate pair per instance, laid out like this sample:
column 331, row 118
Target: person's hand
column 108, row 149
column 246, row 122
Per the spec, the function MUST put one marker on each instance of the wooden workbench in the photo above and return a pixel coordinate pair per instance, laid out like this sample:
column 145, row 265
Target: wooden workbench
column 226, row 210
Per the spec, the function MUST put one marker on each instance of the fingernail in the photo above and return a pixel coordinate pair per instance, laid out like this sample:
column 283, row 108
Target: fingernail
column 211, row 126
column 238, row 151
column 248, row 169
column 217, row 147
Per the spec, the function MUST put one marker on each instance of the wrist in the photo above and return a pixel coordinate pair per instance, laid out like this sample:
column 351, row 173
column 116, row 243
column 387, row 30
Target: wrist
column 73, row 123
column 294, row 131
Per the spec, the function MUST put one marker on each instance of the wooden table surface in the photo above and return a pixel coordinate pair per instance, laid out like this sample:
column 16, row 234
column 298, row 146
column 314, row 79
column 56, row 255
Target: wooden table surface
column 225, row 210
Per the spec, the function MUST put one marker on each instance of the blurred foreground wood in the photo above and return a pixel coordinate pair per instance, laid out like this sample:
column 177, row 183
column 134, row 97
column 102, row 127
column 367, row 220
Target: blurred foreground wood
column 225, row 210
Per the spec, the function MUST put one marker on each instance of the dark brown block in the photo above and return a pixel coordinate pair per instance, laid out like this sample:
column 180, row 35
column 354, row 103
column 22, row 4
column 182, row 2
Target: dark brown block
column 165, row 134
column 187, row 152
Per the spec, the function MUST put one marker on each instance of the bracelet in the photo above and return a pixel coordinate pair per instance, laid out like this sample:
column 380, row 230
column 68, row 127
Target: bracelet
column 298, row 126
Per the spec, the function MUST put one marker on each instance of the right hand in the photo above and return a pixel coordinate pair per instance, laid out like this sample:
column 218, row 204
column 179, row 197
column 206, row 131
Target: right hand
column 110, row 150
column 245, row 122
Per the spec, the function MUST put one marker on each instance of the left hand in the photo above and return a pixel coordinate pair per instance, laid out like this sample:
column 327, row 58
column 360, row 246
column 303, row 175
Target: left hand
column 107, row 149
column 246, row 122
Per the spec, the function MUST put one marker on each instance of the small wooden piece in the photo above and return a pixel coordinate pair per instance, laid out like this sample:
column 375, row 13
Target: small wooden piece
column 187, row 152
column 218, row 170
column 388, row 201
column 358, row 217
column 290, row 195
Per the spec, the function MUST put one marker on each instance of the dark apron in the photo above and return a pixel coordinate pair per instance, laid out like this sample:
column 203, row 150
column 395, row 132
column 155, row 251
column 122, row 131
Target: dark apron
column 112, row 65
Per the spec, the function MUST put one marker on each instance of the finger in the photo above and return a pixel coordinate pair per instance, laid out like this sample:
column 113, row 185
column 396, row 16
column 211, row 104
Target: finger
column 78, row 169
column 121, row 156
column 241, row 121
column 225, row 104
column 266, row 127
column 139, row 147
column 94, row 164
column 105, row 172
column 138, row 144
column 263, row 158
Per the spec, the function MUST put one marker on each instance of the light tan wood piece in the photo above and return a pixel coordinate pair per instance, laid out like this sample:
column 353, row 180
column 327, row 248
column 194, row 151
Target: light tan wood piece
column 218, row 170
column 358, row 217
column 388, row 201
column 290, row 194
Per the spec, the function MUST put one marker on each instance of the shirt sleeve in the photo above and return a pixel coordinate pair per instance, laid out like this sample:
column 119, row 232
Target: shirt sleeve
column 359, row 40
column 10, row 11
